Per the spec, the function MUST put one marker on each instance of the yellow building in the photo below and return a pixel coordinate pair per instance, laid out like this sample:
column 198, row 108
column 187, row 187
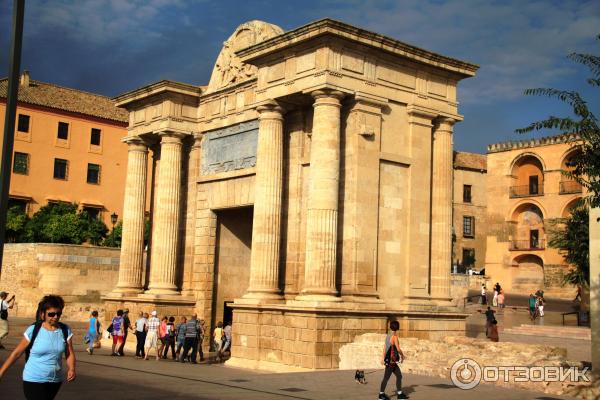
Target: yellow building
column 525, row 189
column 469, row 211
column 67, row 148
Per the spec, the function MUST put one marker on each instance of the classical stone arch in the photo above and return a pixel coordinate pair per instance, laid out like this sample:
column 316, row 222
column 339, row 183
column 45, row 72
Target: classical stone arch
column 523, row 205
column 528, row 273
column 566, row 210
column 523, row 157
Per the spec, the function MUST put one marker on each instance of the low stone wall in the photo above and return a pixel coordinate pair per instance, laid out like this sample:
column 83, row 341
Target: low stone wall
column 436, row 358
column 461, row 283
column 291, row 339
column 80, row 274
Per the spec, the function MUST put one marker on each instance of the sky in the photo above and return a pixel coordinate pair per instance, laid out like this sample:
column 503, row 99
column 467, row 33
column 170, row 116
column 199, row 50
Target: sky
column 114, row 46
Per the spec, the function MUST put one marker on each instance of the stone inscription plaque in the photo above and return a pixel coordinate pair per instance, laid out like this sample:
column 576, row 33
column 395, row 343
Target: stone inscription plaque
column 230, row 148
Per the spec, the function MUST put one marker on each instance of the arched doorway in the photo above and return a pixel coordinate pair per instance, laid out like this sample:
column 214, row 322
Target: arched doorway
column 528, row 274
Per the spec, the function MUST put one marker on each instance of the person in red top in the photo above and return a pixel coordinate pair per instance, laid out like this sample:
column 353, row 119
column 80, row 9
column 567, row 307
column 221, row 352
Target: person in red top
column 162, row 334
column 118, row 331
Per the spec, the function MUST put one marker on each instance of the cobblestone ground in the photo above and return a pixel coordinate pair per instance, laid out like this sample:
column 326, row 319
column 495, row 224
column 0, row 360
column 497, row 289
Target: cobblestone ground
column 103, row 377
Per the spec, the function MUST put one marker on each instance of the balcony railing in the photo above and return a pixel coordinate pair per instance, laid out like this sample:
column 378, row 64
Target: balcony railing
column 568, row 187
column 526, row 191
column 528, row 244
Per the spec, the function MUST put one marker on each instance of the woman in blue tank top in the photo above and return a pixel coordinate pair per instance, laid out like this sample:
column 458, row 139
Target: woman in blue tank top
column 43, row 374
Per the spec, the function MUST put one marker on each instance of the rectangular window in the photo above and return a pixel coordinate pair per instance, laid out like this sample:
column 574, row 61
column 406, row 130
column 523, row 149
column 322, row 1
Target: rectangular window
column 21, row 163
column 60, row 168
column 18, row 203
column 466, row 193
column 23, row 124
column 92, row 212
column 63, row 130
column 468, row 257
column 93, row 174
column 95, row 137
column 468, row 226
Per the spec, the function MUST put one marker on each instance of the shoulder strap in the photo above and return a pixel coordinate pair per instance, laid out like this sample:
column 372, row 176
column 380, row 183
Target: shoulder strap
column 65, row 332
column 36, row 329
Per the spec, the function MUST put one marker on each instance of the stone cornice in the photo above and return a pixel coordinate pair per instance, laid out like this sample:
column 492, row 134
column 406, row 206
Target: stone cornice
column 529, row 143
column 126, row 100
column 339, row 29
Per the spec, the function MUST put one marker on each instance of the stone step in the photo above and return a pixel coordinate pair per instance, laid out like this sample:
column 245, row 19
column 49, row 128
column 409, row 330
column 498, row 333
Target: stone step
column 581, row 333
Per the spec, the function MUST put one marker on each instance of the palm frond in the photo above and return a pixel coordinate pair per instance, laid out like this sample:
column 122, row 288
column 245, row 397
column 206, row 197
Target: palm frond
column 564, row 124
column 589, row 60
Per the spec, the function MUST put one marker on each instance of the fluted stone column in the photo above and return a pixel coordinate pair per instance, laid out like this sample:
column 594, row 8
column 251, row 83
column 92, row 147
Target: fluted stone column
column 266, row 225
column 322, row 213
column 441, row 209
column 132, row 243
column 166, row 222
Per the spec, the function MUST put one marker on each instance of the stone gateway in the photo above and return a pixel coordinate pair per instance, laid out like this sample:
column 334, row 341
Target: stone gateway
column 305, row 194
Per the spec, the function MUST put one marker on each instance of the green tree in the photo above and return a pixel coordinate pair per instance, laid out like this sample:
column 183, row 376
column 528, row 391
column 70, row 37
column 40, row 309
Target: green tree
column 16, row 219
column 571, row 237
column 585, row 164
column 113, row 239
column 61, row 223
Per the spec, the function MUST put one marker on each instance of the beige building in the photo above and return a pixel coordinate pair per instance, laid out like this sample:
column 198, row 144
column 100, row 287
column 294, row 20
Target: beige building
column 305, row 193
column 525, row 190
column 67, row 148
column 469, row 211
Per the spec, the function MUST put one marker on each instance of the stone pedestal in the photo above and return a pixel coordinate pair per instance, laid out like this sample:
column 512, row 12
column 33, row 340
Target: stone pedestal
column 166, row 219
column 266, row 225
column 132, row 246
column 322, row 214
column 441, row 210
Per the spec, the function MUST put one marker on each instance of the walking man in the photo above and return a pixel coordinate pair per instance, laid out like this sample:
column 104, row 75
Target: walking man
column 392, row 356
column 126, row 328
column 191, row 339
column 140, row 334
column 152, row 335
column 5, row 305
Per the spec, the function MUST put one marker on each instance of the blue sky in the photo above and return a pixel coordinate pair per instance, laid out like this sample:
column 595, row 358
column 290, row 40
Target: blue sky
column 113, row 46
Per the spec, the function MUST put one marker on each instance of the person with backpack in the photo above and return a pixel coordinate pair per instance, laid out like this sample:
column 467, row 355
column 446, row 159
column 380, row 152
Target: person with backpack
column 44, row 343
column 171, row 333
column 118, row 327
column 392, row 356
column 5, row 305
column 93, row 332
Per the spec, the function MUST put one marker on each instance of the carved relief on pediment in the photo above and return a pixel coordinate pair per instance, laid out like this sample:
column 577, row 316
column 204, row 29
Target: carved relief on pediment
column 229, row 69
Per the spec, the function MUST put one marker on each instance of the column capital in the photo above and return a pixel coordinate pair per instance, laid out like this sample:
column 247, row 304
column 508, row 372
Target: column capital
column 171, row 137
column 198, row 137
column 327, row 96
column 444, row 124
column 135, row 143
column 270, row 109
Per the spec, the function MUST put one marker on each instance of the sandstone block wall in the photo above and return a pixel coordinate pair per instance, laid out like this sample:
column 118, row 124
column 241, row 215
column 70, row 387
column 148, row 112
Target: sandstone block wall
column 80, row 274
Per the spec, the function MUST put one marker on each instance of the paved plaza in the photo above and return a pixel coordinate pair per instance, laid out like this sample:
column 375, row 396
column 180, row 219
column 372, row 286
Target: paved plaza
column 103, row 377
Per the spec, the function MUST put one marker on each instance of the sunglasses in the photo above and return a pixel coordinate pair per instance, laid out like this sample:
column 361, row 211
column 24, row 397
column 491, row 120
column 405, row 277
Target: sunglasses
column 54, row 314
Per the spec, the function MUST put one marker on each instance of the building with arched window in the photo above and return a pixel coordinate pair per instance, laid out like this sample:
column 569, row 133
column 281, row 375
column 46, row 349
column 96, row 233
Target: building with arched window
column 526, row 188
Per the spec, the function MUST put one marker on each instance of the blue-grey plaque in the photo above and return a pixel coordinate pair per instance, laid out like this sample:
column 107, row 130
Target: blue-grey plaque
column 230, row 148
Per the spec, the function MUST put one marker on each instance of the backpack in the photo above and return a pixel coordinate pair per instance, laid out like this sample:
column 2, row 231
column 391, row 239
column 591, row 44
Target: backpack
column 392, row 356
column 36, row 329
column 116, row 323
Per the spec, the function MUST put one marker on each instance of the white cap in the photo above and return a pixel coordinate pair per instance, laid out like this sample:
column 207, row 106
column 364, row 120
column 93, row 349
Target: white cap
column 154, row 313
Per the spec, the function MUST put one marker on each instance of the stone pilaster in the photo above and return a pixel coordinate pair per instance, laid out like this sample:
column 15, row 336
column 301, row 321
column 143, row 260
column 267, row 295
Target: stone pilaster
column 266, row 225
column 190, row 221
column 132, row 244
column 166, row 221
column 441, row 209
column 322, row 210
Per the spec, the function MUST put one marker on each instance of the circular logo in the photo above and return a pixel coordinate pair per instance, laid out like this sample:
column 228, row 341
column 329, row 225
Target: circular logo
column 465, row 373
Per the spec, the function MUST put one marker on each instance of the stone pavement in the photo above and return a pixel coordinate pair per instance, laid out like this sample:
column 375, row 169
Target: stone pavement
column 103, row 377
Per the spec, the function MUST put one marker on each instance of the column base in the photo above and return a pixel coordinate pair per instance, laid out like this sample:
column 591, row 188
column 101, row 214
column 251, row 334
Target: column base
column 163, row 290
column 258, row 297
column 118, row 293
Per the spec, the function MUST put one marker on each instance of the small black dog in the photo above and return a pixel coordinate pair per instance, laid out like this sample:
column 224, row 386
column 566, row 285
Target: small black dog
column 359, row 376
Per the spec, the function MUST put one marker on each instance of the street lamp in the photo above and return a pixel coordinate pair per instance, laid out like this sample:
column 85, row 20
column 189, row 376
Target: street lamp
column 113, row 218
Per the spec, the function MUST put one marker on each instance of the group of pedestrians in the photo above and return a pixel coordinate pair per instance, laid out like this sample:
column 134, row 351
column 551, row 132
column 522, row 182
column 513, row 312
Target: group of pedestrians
column 536, row 304
column 157, row 337
column 497, row 300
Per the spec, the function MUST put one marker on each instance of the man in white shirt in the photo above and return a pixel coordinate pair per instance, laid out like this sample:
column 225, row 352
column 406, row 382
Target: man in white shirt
column 140, row 335
column 5, row 305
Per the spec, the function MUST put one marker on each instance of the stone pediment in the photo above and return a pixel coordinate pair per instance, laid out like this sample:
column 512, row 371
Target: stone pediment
column 229, row 69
